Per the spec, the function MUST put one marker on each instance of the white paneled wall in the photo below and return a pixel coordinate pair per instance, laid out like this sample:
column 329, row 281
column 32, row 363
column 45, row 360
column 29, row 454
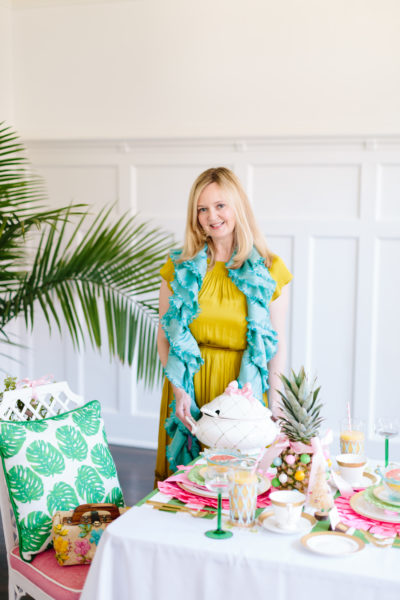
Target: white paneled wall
column 329, row 207
column 332, row 306
column 388, row 202
column 386, row 331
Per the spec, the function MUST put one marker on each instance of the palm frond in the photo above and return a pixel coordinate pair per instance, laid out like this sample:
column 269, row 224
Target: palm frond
column 103, row 266
column 22, row 192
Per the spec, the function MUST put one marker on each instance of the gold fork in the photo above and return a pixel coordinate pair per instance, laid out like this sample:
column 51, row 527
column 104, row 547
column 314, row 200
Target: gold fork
column 376, row 541
column 200, row 512
column 379, row 542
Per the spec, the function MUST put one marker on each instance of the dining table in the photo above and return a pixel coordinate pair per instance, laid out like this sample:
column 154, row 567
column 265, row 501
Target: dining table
column 154, row 554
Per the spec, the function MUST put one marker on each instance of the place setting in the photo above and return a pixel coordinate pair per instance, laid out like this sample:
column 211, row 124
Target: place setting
column 380, row 502
column 375, row 508
column 276, row 479
column 291, row 488
column 287, row 516
column 227, row 481
column 199, row 475
column 352, row 473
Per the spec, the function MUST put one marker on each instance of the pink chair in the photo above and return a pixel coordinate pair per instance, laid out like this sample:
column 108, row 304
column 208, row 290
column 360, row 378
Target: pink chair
column 43, row 578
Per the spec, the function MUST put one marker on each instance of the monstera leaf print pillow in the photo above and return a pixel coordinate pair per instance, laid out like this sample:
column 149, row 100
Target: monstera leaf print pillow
column 56, row 464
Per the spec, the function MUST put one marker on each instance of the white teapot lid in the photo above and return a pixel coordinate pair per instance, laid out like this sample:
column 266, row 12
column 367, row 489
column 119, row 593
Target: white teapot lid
column 236, row 403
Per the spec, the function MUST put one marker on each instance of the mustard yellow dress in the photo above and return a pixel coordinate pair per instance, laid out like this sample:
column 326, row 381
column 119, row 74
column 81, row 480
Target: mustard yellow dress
column 220, row 331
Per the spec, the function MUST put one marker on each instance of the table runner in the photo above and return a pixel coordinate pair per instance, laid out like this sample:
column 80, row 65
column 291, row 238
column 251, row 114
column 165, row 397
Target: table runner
column 171, row 490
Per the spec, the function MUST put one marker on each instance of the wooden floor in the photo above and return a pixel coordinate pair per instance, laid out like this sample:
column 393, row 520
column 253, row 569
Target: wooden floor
column 136, row 475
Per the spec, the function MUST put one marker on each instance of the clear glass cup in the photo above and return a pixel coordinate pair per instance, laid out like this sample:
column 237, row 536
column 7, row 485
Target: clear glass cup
column 243, row 487
column 352, row 436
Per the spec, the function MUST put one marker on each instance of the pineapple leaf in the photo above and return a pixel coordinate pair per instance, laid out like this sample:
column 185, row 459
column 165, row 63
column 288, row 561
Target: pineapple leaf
column 316, row 392
column 301, row 418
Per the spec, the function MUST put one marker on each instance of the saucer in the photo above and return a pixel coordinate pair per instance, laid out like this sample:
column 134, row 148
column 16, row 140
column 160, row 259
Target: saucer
column 360, row 505
column 383, row 494
column 332, row 543
column 366, row 480
column 267, row 520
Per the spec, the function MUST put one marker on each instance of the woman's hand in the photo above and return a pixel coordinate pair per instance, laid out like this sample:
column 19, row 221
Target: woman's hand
column 182, row 405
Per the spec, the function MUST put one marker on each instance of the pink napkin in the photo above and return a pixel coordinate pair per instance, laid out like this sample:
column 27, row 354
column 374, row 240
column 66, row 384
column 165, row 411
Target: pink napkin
column 353, row 519
column 171, row 488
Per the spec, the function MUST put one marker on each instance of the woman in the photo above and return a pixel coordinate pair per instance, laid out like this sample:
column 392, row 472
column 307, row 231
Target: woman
column 216, row 324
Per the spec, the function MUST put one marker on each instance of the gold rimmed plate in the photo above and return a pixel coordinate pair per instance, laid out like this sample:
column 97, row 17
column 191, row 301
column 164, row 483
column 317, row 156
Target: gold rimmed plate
column 199, row 491
column 267, row 520
column 367, row 480
column 332, row 543
column 360, row 505
column 197, row 475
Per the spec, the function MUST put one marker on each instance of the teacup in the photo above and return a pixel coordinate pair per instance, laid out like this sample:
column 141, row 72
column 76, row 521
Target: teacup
column 287, row 506
column 351, row 467
column 391, row 479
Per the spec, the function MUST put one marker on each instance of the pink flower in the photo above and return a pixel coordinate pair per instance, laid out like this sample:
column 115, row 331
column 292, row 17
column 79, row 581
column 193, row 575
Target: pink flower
column 82, row 547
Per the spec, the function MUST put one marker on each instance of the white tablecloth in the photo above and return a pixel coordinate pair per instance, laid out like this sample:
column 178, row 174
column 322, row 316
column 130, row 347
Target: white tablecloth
column 152, row 555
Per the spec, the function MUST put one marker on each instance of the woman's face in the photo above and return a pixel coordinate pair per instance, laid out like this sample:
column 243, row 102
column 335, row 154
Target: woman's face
column 215, row 215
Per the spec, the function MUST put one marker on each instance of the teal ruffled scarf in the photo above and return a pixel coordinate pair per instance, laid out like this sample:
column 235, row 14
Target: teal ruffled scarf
column 184, row 359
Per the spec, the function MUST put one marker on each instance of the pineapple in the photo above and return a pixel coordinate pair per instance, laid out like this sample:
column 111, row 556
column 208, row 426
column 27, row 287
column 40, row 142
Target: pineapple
column 300, row 421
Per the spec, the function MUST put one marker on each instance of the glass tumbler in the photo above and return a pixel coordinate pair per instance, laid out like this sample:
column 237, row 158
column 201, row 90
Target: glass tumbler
column 243, row 485
column 352, row 436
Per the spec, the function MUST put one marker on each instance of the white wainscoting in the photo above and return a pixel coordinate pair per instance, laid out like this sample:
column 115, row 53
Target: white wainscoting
column 329, row 207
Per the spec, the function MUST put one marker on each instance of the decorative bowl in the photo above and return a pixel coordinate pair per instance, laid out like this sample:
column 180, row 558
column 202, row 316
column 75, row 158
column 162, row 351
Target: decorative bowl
column 235, row 420
column 391, row 479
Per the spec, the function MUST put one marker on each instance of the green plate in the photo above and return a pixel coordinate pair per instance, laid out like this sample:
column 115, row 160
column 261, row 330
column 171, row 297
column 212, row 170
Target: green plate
column 370, row 497
column 194, row 475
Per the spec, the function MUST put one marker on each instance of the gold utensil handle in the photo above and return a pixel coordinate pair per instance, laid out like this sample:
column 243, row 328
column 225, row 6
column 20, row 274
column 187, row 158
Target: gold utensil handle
column 379, row 542
column 200, row 512
column 194, row 513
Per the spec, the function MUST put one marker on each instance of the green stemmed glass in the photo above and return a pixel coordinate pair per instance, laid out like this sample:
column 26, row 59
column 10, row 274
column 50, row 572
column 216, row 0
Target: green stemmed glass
column 387, row 427
column 216, row 480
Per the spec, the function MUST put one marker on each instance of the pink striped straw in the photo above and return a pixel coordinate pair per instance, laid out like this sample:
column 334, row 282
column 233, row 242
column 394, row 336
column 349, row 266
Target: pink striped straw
column 349, row 415
column 258, row 459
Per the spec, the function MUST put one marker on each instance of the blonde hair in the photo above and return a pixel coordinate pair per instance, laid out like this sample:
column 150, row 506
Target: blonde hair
column 246, row 234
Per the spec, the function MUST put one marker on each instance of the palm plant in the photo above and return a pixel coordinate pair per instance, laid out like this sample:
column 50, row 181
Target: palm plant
column 74, row 268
